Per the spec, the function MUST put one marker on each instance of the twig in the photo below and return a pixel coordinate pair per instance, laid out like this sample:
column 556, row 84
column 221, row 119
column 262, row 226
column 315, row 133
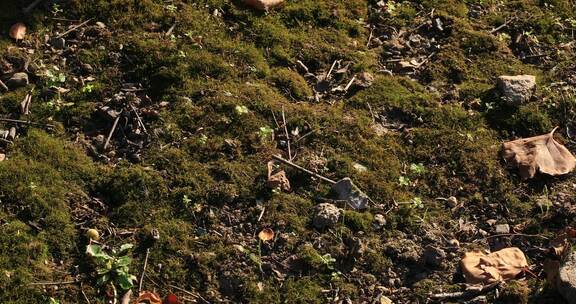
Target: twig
column 331, row 68
column 170, row 30
column 349, row 84
column 509, row 234
column 54, row 283
column 84, row 294
column 143, row 270
column 24, row 106
column 261, row 214
column 469, row 293
column 3, row 86
column 370, row 37
column 112, row 130
column 371, row 112
column 139, row 119
column 188, row 292
column 287, row 135
column 295, row 166
column 27, row 122
column 73, row 29
column 30, row 7
column 502, row 25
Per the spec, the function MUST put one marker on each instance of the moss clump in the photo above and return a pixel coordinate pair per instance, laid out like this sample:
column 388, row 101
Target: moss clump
column 302, row 291
column 515, row 292
column 310, row 257
column 358, row 221
column 291, row 83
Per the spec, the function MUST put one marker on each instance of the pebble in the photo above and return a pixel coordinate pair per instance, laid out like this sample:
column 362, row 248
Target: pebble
column 516, row 89
column 502, row 229
column 434, row 256
column 379, row 221
column 17, row 80
column 58, row 43
column 327, row 215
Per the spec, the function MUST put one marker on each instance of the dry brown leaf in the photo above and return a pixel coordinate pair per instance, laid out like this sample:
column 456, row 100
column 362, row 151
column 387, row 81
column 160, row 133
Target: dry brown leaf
column 148, row 297
column 18, row 31
column 540, row 153
column 558, row 253
column 263, row 5
column 277, row 178
column 501, row 265
column 266, row 234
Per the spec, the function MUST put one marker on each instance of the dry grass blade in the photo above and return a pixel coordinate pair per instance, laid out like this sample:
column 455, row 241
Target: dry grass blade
column 540, row 153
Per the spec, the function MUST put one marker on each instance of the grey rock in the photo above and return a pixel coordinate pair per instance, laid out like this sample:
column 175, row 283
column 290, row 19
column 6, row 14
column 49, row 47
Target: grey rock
column 567, row 278
column 434, row 256
column 345, row 190
column 326, row 215
column 12, row 133
column 58, row 43
column 517, row 89
column 502, row 228
column 17, row 80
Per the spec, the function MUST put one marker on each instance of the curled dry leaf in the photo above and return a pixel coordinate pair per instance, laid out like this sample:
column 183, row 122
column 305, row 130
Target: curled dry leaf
column 558, row 252
column 18, row 31
column 148, row 297
column 540, row 153
column 277, row 178
column 502, row 265
column 266, row 234
column 263, row 5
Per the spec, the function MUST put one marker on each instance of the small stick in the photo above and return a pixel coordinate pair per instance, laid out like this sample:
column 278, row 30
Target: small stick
column 84, row 294
column 261, row 214
column 73, row 28
column 30, row 7
column 510, row 234
column 170, row 30
column 287, row 135
column 370, row 37
column 331, row 68
column 293, row 165
column 112, row 130
column 188, row 292
column 143, row 270
column 469, row 293
column 3, row 86
column 139, row 119
column 54, row 283
column 349, row 83
column 502, row 25
column 371, row 112
column 26, row 122
column 275, row 120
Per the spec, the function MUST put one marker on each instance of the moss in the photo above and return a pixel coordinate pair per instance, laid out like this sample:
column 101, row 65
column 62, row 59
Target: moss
column 302, row 291
column 310, row 257
column 292, row 84
column 515, row 292
column 358, row 221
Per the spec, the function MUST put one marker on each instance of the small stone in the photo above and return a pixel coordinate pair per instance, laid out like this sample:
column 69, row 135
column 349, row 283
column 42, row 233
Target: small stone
column 86, row 68
column 155, row 234
column 516, row 89
column 502, row 229
column 327, row 215
column 12, row 133
column 100, row 24
column 434, row 256
column 365, row 79
column 567, row 278
column 379, row 221
column 452, row 201
column 454, row 243
column 58, row 43
column 359, row 167
column 17, row 80
column 345, row 190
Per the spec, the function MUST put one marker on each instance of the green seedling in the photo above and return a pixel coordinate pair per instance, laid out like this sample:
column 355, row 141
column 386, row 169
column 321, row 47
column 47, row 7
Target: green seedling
column 112, row 268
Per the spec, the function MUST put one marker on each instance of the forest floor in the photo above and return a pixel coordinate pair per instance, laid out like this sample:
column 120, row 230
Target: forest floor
column 154, row 122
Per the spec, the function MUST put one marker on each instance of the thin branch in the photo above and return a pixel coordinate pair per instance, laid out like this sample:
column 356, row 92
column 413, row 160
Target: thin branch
column 295, row 166
column 73, row 29
column 112, row 130
column 287, row 135
column 469, row 293
column 27, row 122
column 510, row 234
column 143, row 270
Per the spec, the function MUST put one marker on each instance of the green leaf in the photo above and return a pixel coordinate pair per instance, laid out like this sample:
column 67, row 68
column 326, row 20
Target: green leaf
column 123, row 261
column 97, row 252
column 53, row 301
column 103, row 279
column 125, row 247
column 125, row 281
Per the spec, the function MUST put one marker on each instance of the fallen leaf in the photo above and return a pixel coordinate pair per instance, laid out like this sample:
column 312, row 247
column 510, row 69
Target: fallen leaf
column 277, row 178
column 148, row 297
column 501, row 265
column 558, row 252
column 263, row 5
column 540, row 153
column 18, row 31
column 266, row 234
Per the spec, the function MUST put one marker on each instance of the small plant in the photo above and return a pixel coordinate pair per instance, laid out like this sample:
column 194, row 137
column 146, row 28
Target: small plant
column 416, row 203
column 51, row 300
column 418, row 169
column 171, row 8
column 112, row 268
column 56, row 9
column 87, row 88
column 241, row 109
column 265, row 132
column 54, row 78
column 404, row 181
